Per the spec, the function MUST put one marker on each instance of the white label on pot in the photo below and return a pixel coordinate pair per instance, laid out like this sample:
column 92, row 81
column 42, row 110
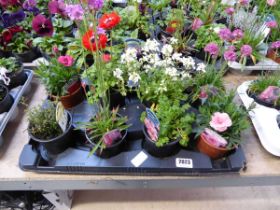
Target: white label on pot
column 139, row 159
column 61, row 116
column 184, row 163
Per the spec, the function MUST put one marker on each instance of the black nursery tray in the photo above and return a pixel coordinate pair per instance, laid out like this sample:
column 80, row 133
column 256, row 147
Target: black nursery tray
column 16, row 93
column 133, row 160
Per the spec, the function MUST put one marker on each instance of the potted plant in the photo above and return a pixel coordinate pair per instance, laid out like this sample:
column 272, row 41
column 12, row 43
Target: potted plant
column 273, row 52
column 167, row 125
column 6, row 100
column 106, row 132
column 44, row 127
column 62, row 80
column 14, row 71
column 265, row 90
column 219, row 125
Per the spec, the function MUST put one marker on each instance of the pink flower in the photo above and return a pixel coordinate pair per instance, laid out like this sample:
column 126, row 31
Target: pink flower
column 271, row 24
column 214, row 138
column 74, row 11
column 246, row 50
column 212, row 48
column 197, row 23
column 151, row 129
column 271, row 2
column 106, row 57
column 275, row 45
column 66, row 60
column 230, row 55
column 220, row 121
column 229, row 10
column 238, row 34
column 244, row 2
column 225, row 34
column 232, row 48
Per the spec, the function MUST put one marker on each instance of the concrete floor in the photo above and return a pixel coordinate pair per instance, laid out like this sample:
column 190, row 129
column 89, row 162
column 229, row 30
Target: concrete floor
column 235, row 198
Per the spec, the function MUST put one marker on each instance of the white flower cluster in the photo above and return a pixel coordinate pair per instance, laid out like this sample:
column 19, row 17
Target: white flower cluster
column 129, row 56
column 3, row 76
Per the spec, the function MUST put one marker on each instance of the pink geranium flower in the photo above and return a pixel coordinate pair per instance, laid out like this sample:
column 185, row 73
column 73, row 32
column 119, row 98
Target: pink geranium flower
column 246, row 50
column 212, row 48
column 238, row 34
column 66, row 60
column 230, row 55
column 225, row 34
column 220, row 121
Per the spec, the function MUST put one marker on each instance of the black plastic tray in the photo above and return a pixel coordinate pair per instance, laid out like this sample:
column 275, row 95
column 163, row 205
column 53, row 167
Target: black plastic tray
column 75, row 160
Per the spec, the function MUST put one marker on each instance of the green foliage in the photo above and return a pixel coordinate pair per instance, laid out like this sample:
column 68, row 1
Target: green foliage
column 21, row 42
column 47, row 43
column 61, row 25
column 104, row 121
column 42, row 122
column 175, row 121
column 56, row 76
column 11, row 64
column 206, row 34
column 224, row 103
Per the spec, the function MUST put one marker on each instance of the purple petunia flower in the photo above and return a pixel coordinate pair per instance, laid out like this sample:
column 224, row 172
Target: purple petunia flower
column 230, row 55
column 229, row 10
column 238, row 34
column 225, row 34
column 275, row 45
column 246, row 50
column 42, row 25
column 74, row 11
column 56, row 7
column 95, row 4
column 212, row 48
column 197, row 23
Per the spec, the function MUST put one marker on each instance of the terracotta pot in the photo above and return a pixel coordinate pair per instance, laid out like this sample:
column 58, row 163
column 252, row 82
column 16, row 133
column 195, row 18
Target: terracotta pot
column 273, row 56
column 213, row 152
column 73, row 99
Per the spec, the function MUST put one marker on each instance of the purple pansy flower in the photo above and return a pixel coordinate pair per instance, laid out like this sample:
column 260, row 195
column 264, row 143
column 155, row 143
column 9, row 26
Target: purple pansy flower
column 56, row 7
column 246, row 50
column 95, row 4
column 42, row 25
column 28, row 4
column 10, row 19
column 212, row 48
column 74, row 11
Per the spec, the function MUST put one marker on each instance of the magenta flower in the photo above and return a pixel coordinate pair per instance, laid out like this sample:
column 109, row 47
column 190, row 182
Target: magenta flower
column 74, row 11
column 95, row 4
column 220, row 121
column 66, row 60
column 238, row 34
column 230, row 55
column 246, row 50
column 212, row 48
column 229, row 10
column 225, row 34
column 244, row 2
column 271, row 2
column 275, row 45
column 197, row 23
column 42, row 25
column 56, row 7
column 29, row 4
column 271, row 24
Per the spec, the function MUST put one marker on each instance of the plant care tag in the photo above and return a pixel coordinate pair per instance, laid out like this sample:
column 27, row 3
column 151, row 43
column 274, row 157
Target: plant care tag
column 61, row 116
column 184, row 163
column 152, row 117
column 139, row 159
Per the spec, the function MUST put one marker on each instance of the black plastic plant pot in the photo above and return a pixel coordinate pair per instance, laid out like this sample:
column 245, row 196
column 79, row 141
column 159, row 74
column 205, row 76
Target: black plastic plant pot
column 28, row 56
column 17, row 78
column 167, row 150
column 109, row 151
column 116, row 99
column 7, row 101
column 262, row 102
column 122, row 5
column 60, row 143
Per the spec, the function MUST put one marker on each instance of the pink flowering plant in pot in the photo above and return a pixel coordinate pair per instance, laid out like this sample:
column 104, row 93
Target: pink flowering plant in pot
column 219, row 123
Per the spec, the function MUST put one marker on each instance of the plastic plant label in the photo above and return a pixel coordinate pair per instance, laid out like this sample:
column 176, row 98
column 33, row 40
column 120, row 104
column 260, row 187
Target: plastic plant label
column 184, row 163
column 61, row 116
column 152, row 117
column 139, row 159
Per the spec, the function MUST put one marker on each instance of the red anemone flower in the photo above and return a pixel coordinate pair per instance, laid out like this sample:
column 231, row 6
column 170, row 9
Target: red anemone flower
column 172, row 26
column 90, row 43
column 109, row 21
